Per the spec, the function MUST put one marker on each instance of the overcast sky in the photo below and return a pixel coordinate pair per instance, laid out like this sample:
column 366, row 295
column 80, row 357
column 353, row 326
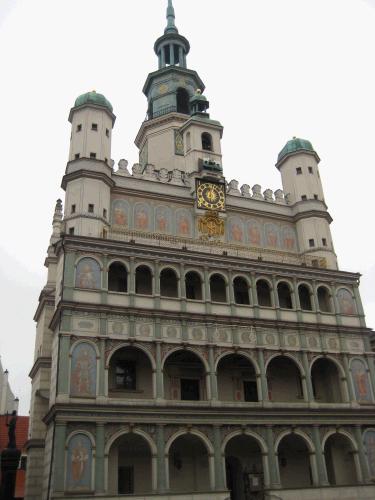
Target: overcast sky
column 273, row 69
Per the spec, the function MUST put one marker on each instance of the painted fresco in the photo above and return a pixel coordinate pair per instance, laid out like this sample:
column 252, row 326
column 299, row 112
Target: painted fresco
column 346, row 302
column 79, row 464
column 163, row 220
column 183, row 223
column 88, row 274
column 288, row 238
column 235, row 230
column 254, row 233
column 83, row 371
column 120, row 213
column 370, row 449
column 361, row 380
column 142, row 218
column 271, row 232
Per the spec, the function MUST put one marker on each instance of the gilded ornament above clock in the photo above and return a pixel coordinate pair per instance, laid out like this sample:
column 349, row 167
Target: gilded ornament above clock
column 210, row 195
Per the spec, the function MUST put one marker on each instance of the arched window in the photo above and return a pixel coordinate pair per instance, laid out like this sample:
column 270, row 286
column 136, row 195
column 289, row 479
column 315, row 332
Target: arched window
column 304, row 298
column 236, row 379
column 143, row 281
column 207, row 141
column 193, row 284
column 188, row 141
column 117, row 278
column 339, row 455
column 264, row 293
column 326, row 381
column 284, row 380
column 183, row 101
column 218, row 288
column 285, row 296
column 294, row 462
column 241, row 291
column 168, row 283
column 184, row 377
column 324, row 299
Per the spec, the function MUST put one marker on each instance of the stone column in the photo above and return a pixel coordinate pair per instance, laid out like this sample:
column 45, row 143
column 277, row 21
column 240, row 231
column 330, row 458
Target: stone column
column 336, row 306
column 99, row 459
column 309, row 387
column 349, row 381
column 63, row 366
column 159, row 373
column 182, row 287
column 358, row 302
column 232, row 301
column 131, row 281
column 362, row 454
column 156, row 284
column 102, row 371
column 161, row 459
column 171, row 54
column 320, row 460
column 263, row 378
column 315, row 301
column 162, row 56
column 58, row 459
column 207, row 294
column 180, row 56
column 254, row 295
column 218, row 457
column 272, row 459
column 213, row 374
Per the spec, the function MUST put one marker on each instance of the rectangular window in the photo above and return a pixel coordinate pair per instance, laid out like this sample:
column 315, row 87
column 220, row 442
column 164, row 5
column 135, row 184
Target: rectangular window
column 73, row 209
column 324, row 241
column 126, row 375
column 126, row 480
column 107, row 132
column 105, row 213
column 76, row 156
column 189, row 389
column 93, row 155
column 94, row 126
column 91, row 208
column 303, row 197
column 311, row 242
column 316, row 197
column 299, row 170
column 250, row 390
column 71, row 230
column 79, row 128
column 311, row 170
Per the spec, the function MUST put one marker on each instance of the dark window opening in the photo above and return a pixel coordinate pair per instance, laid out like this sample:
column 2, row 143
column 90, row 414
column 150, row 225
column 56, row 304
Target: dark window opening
column 250, row 391
column 104, row 213
column 311, row 242
column 126, row 480
column 168, row 283
column 117, row 278
column 126, row 375
column 193, row 286
column 143, row 281
column 241, row 291
column 316, row 197
column 167, row 53
column 189, row 389
column 303, row 197
column 324, row 299
column 324, row 242
column 91, row 208
column 311, row 170
column 79, row 128
column 218, row 288
column 107, row 132
column 176, row 55
column 264, row 293
column 71, row 230
column 93, row 155
column 76, row 156
column 304, row 298
column 183, row 105
column 299, row 170
column 94, row 127
column 73, row 209
column 285, row 296
column 207, row 141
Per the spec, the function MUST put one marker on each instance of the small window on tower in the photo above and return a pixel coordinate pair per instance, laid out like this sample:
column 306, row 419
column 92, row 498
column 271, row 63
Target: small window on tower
column 311, row 242
column 71, row 230
column 93, row 155
column 299, row 170
column 79, row 128
column 311, row 170
column 73, row 209
column 107, row 132
column 206, row 141
column 76, row 156
column 303, row 197
column 91, row 208
column 324, row 241
column 316, row 197
column 94, row 126
column 105, row 213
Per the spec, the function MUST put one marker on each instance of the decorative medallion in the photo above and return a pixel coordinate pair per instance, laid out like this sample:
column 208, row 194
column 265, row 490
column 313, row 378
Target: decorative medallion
column 211, row 225
column 163, row 89
column 270, row 339
column 197, row 333
column 248, row 337
column 178, row 143
column 172, row 332
column 117, row 328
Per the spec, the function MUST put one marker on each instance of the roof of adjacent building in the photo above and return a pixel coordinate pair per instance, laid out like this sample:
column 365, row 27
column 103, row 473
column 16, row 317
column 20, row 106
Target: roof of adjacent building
column 294, row 145
column 93, row 98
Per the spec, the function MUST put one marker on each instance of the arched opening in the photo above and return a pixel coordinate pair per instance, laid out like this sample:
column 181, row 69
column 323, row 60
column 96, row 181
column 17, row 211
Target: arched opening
column 264, row 293
column 324, row 299
column 130, row 374
column 285, row 296
column 143, row 280
column 188, row 465
column 117, row 277
column 236, row 379
column 338, row 451
column 168, row 283
column 188, row 141
column 130, row 466
column 207, row 141
column 184, row 377
column 294, row 462
column 243, row 458
column 218, row 288
column 304, row 298
column 326, row 381
column 193, row 284
column 183, row 98
column 241, row 291
column 284, row 380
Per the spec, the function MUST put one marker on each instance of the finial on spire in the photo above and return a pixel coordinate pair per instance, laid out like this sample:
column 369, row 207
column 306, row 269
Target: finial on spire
column 171, row 27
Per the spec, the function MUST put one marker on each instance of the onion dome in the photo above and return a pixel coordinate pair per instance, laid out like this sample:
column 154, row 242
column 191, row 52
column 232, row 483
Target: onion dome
column 93, row 98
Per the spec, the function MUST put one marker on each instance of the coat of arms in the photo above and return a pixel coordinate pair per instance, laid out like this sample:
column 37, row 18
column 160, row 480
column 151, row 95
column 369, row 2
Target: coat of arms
column 211, row 225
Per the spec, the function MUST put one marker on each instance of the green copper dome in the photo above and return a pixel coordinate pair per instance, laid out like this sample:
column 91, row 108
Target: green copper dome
column 93, row 98
column 295, row 145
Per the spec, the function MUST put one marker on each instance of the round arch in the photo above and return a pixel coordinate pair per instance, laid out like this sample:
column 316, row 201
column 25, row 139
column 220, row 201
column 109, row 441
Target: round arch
column 330, row 358
column 84, row 341
column 119, row 261
column 131, row 345
column 128, row 430
column 169, row 267
column 260, row 441
column 343, row 433
column 85, row 433
column 190, row 349
column 221, row 275
column 291, row 357
column 287, row 282
column 193, row 432
column 145, row 264
column 192, row 270
column 299, row 433
column 267, row 280
column 243, row 276
column 88, row 256
column 240, row 353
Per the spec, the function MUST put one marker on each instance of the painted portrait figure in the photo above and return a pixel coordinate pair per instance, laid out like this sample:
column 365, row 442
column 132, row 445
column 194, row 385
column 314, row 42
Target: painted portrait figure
column 288, row 238
column 142, row 217
column 88, row 274
column 163, row 220
column 254, row 233
column 79, row 463
column 120, row 213
column 83, row 371
column 361, row 380
column 236, row 231
column 272, row 235
column 346, row 302
column 183, row 223
column 370, row 449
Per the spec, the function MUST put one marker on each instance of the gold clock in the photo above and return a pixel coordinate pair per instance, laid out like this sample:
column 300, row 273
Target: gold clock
column 211, row 195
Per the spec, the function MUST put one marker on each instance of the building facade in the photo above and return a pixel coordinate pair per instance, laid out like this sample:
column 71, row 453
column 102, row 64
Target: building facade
column 195, row 339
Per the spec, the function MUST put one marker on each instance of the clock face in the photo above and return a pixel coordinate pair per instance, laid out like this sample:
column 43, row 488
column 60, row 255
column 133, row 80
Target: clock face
column 211, row 196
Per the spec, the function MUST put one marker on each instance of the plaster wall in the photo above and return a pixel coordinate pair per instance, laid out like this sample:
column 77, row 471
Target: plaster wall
column 304, row 184
column 161, row 148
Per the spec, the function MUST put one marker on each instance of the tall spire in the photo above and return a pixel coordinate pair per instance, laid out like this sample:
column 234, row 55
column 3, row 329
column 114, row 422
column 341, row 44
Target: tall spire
column 171, row 27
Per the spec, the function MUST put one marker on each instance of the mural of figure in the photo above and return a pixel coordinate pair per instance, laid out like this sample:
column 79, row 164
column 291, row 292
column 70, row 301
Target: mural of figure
column 83, row 371
column 163, row 220
column 254, row 233
column 79, row 463
column 142, row 218
column 370, row 449
column 361, row 381
column 288, row 238
column 183, row 224
column 88, row 274
column 272, row 235
column 120, row 213
column 236, row 230
column 346, row 301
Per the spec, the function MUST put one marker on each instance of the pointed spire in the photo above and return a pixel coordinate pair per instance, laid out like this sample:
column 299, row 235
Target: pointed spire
column 171, row 27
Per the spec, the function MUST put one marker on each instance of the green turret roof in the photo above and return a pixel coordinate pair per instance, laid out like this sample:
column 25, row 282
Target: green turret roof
column 93, row 98
column 295, row 145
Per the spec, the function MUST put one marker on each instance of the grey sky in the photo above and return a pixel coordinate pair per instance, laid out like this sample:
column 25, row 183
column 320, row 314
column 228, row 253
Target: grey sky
column 273, row 69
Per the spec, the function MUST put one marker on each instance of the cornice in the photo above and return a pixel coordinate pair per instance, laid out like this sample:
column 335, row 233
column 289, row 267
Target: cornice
column 34, row 443
column 46, row 298
column 78, row 174
column 156, row 122
column 42, row 362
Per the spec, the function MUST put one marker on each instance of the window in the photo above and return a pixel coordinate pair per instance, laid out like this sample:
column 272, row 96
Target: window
column 107, row 132
column 93, row 155
column 206, row 141
column 106, row 160
column 311, row 242
column 79, row 128
column 126, row 375
column 193, row 286
column 324, row 242
column 94, row 127
column 189, row 389
column 250, row 391
column 73, row 209
column 126, row 480
column 183, row 98
column 71, row 230
column 188, row 141
column 76, row 156
column 241, row 291
column 168, row 283
column 303, row 197
column 218, row 288
column 105, row 213
column 311, row 170
column 316, row 197
column 284, row 295
column 264, row 293
column 143, row 281
column 117, row 278
column 91, row 208
column 299, row 170
column 304, row 298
